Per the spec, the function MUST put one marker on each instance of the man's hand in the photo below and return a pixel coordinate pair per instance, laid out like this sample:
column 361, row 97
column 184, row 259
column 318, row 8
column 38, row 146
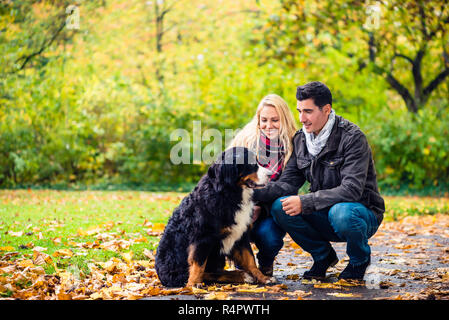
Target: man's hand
column 292, row 205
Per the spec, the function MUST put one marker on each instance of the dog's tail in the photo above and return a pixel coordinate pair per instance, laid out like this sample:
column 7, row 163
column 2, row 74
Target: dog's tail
column 171, row 264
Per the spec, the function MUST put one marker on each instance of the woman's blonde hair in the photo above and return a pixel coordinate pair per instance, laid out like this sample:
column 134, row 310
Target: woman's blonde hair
column 249, row 136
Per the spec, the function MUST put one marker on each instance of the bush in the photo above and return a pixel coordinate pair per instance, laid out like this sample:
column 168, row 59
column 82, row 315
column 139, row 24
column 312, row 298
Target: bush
column 411, row 149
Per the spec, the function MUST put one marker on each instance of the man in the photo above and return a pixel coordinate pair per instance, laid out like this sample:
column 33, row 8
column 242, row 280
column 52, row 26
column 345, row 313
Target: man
column 344, row 204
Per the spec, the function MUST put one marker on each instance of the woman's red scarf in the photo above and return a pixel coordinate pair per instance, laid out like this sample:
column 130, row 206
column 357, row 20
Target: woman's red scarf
column 271, row 155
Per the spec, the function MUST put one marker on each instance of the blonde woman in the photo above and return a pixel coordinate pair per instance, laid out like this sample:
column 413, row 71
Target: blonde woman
column 269, row 135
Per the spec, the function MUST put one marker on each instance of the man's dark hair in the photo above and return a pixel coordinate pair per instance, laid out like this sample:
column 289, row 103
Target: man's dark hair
column 315, row 90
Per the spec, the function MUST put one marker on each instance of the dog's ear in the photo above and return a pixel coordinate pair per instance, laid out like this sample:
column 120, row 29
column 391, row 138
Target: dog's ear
column 229, row 173
column 218, row 172
column 211, row 171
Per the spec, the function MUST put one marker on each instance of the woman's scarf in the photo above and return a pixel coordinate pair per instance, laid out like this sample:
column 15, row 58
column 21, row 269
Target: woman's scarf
column 316, row 143
column 271, row 155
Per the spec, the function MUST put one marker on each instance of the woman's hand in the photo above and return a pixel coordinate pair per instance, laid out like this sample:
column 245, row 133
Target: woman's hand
column 256, row 213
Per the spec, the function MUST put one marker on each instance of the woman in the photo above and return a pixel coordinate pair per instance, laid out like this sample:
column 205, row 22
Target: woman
column 269, row 135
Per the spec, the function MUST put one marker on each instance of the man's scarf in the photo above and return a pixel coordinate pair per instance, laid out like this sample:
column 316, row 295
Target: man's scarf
column 271, row 155
column 316, row 143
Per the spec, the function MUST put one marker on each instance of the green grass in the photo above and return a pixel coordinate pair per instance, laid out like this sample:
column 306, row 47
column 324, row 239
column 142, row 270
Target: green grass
column 57, row 219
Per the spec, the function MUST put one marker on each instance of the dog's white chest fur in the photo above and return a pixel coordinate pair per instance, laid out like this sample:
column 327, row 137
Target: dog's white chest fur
column 242, row 221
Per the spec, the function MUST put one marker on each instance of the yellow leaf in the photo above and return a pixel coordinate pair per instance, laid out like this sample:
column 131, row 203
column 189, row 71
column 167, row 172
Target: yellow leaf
column 127, row 256
column 40, row 258
column 251, row 289
column 217, row 296
column 7, row 248
column 64, row 296
column 144, row 263
column 65, row 253
column 141, row 239
column 341, row 295
column 198, row 290
column 26, row 263
column 96, row 295
column 158, row 227
column 147, row 253
column 152, row 291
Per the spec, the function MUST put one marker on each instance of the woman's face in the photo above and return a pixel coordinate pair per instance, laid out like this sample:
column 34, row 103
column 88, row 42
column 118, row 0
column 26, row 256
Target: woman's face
column 269, row 121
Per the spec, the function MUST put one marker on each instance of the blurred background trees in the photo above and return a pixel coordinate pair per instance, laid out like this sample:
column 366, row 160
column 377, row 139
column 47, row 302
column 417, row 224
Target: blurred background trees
column 90, row 91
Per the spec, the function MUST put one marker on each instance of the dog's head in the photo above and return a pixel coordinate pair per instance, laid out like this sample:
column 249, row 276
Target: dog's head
column 238, row 167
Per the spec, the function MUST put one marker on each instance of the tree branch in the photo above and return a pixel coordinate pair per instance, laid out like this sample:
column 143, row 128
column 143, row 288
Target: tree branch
column 399, row 55
column 417, row 75
column 435, row 83
column 44, row 46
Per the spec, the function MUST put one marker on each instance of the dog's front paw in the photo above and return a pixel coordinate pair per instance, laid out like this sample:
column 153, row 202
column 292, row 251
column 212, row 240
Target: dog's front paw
column 197, row 285
column 271, row 280
column 266, row 280
column 247, row 278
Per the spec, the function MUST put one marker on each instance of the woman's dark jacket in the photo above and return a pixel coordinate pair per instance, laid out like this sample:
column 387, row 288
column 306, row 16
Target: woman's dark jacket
column 342, row 172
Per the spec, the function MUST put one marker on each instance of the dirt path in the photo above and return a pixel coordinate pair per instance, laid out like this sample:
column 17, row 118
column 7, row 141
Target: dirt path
column 410, row 260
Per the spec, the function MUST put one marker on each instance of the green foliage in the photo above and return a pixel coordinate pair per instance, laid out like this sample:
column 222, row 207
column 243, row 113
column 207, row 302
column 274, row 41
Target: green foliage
column 411, row 151
column 97, row 106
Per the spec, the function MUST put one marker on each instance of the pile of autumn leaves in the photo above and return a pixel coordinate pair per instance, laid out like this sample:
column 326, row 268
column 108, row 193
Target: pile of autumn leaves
column 115, row 279
column 122, row 278
column 118, row 278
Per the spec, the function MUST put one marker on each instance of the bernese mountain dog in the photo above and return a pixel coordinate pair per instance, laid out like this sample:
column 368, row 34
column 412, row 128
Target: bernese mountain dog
column 212, row 223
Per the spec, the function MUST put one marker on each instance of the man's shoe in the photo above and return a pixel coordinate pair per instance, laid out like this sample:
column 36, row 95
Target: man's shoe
column 352, row 272
column 267, row 270
column 319, row 268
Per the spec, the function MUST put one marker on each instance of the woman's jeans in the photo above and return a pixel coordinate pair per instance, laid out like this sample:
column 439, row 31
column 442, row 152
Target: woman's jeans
column 349, row 222
column 268, row 237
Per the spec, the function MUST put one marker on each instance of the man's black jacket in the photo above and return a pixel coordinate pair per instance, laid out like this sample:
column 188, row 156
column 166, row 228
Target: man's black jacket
column 342, row 172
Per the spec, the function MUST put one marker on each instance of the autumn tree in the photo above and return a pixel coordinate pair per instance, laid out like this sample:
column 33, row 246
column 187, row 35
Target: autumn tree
column 405, row 42
column 31, row 30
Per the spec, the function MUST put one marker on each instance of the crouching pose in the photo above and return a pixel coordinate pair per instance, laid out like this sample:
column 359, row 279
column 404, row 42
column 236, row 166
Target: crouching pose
column 344, row 204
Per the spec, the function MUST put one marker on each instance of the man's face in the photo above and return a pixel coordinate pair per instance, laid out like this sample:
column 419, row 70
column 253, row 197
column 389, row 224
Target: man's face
column 310, row 115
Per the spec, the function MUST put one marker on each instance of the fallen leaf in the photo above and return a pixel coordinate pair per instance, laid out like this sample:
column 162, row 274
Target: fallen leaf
column 147, row 253
column 344, row 295
column 64, row 253
column 40, row 258
column 386, row 284
column 39, row 249
column 196, row 290
column 251, row 288
column 7, row 248
column 26, row 263
column 217, row 296
column 15, row 234
column 128, row 256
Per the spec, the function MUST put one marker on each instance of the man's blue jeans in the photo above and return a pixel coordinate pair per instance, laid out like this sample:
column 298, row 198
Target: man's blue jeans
column 349, row 222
